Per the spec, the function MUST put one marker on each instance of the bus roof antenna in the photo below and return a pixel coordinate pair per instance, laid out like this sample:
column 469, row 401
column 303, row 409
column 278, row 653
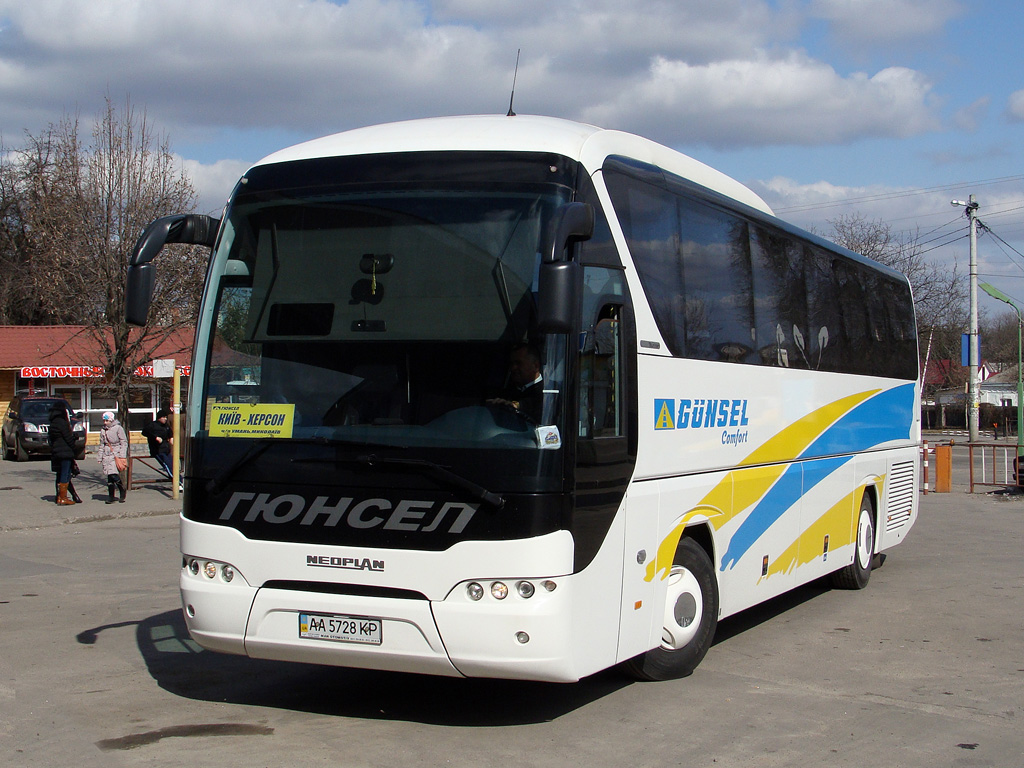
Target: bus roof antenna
column 513, row 96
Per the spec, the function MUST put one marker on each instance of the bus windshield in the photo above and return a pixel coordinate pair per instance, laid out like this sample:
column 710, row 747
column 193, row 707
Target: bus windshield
column 394, row 307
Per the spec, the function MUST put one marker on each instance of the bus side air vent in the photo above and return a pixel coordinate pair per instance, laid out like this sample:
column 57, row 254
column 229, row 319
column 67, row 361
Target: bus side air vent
column 901, row 495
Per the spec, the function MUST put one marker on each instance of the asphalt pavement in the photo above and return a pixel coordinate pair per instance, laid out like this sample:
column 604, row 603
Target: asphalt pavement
column 921, row 669
column 27, row 495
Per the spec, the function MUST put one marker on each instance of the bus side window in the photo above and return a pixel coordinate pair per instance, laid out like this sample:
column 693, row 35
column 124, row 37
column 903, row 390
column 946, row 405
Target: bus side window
column 601, row 381
column 601, row 377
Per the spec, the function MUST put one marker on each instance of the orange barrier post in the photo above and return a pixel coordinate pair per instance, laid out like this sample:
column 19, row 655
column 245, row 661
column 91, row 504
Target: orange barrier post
column 943, row 468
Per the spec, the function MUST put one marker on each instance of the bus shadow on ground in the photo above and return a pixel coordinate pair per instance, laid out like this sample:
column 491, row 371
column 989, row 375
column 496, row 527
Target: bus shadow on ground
column 180, row 666
column 753, row 617
column 183, row 668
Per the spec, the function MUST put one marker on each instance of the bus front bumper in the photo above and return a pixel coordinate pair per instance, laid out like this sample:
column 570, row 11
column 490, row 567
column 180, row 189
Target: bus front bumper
column 511, row 638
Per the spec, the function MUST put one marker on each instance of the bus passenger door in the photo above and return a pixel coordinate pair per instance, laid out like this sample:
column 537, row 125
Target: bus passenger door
column 605, row 453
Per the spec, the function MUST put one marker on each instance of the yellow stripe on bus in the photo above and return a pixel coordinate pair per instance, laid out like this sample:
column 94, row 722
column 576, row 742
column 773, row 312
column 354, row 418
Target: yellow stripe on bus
column 835, row 524
column 840, row 525
column 725, row 501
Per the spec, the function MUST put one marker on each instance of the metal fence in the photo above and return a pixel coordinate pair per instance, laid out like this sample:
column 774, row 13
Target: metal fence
column 998, row 465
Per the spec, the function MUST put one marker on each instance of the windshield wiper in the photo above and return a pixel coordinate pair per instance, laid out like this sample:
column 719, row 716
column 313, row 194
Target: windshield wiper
column 436, row 471
column 256, row 449
column 477, row 492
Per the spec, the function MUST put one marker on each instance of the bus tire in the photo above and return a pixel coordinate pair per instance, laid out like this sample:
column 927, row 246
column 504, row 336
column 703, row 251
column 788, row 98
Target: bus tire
column 690, row 618
column 857, row 573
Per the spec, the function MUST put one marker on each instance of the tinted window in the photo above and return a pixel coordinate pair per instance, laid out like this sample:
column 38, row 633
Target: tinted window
column 780, row 306
column 727, row 285
column 719, row 307
column 649, row 219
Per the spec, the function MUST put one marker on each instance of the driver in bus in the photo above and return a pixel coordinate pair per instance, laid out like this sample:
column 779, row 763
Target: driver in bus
column 525, row 390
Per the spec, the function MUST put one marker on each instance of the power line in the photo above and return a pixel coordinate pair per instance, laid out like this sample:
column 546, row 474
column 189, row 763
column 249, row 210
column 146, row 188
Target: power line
column 947, row 224
column 1005, row 211
column 894, row 195
column 942, row 245
column 919, row 241
column 997, row 237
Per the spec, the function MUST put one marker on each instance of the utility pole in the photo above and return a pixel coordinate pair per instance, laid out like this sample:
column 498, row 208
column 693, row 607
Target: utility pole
column 971, row 212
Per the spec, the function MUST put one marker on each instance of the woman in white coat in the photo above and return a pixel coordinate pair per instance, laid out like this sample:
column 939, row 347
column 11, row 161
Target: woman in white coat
column 113, row 455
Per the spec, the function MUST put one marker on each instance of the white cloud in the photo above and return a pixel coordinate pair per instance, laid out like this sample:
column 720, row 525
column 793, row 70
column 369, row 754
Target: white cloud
column 884, row 22
column 1015, row 106
column 762, row 101
column 718, row 74
column 968, row 118
column 214, row 182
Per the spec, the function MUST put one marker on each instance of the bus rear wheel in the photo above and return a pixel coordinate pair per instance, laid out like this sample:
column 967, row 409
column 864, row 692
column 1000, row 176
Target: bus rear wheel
column 857, row 573
column 690, row 618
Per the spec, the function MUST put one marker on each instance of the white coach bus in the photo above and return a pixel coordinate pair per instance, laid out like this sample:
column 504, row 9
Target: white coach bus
column 713, row 407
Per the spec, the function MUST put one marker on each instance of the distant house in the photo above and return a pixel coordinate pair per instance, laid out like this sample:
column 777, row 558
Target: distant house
column 997, row 400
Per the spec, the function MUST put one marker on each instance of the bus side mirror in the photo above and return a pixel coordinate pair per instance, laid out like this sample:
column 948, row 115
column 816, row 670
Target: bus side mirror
column 558, row 284
column 572, row 221
column 558, row 296
column 191, row 229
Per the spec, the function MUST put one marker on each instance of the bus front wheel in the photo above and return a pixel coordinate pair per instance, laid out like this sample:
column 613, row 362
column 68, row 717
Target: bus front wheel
column 690, row 618
column 857, row 573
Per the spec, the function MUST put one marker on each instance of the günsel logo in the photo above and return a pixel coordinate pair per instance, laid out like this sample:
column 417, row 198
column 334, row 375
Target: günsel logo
column 345, row 563
column 729, row 416
column 412, row 516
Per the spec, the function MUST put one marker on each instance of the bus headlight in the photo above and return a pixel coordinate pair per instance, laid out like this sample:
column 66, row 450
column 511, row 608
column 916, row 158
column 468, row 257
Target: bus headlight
column 503, row 589
column 525, row 589
column 210, row 569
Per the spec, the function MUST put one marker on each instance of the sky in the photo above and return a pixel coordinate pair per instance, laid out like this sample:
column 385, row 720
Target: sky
column 883, row 109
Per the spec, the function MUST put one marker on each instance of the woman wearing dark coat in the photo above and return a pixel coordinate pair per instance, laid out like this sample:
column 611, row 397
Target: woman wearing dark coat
column 62, row 454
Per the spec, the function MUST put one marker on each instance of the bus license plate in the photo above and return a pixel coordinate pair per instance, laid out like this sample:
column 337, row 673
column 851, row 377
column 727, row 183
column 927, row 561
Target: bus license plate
column 341, row 629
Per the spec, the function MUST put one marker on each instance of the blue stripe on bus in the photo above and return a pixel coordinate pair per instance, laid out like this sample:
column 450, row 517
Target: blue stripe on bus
column 887, row 416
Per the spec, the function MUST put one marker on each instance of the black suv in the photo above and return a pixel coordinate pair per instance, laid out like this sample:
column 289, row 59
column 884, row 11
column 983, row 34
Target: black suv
column 27, row 425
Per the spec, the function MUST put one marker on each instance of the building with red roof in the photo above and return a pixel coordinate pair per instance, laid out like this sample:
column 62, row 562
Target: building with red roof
column 68, row 361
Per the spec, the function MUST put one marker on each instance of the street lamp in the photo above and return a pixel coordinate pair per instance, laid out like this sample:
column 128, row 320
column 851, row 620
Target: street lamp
column 995, row 293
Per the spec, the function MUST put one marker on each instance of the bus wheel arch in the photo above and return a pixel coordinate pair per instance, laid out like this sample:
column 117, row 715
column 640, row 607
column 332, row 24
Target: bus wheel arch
column 689, row 615
column 856, row 574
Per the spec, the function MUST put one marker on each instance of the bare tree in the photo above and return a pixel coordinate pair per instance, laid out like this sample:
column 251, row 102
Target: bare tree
column 76, row 211
column 999, row 340
column 39, row 183
column 940, row 292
